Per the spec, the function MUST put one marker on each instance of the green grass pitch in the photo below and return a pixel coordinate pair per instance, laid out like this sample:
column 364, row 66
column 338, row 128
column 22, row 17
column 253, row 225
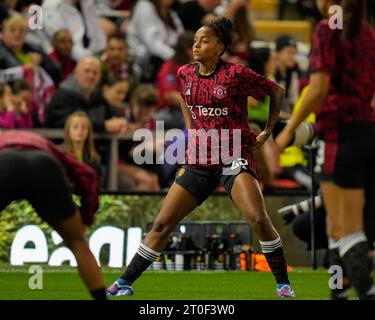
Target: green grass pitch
column 64, row 284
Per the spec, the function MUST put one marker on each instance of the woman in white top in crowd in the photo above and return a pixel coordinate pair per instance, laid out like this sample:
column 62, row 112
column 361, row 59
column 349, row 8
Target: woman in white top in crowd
column 152, row 33
column 81, row 19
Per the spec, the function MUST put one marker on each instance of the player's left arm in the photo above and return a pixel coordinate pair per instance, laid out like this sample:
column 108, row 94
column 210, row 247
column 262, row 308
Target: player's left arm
column 276, row 98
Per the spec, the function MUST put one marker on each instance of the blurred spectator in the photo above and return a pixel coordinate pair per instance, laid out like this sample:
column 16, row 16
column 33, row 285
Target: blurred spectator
column 115, row 61
column 115, row 90
column 293, row 159
column 20, row 60
column 152, row 33
column 62, row 52
column 14, row 51
column 305, row 9
column 169, row 108
column 287, row 74
column 80, row 92
column 121, row 4
column 37, row 37
column 144, row 102
column 194, row 13
column 6, row 9
column 13, row 110
column 80, row 18
column 22, row 89
column 238, row 11
column 143, row 105
column 370, row 14
column 263, row 62
column 79, row 140
column 117, row 11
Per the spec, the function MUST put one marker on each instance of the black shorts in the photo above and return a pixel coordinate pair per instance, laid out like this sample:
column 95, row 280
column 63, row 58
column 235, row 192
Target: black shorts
column 201, row 183
column 349, row 155
column 37, row 177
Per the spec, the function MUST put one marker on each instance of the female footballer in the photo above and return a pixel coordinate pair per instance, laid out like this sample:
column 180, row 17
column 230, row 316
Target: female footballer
column 214, row 96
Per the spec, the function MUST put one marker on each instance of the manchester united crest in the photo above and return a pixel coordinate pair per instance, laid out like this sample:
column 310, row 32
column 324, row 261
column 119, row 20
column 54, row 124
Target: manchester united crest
column 220, row 91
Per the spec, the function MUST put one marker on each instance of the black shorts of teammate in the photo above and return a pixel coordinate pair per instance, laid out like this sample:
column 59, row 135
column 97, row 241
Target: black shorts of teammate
column 37, row 177
column 349, row 155
column 201, row 183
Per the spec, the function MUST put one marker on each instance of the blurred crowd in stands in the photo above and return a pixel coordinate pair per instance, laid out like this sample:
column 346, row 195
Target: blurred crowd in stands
column 109, row 66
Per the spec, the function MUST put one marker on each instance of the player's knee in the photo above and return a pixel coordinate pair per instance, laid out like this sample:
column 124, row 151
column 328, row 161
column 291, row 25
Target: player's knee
column 161, row 228
column 259, row 221
column 76, row 240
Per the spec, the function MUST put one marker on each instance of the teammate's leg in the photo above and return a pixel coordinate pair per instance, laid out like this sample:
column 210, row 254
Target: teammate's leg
column 332, row 230
column 246, row 194
column 177, row 204
column 48, row 192
column 72, row 231
column 345, row 211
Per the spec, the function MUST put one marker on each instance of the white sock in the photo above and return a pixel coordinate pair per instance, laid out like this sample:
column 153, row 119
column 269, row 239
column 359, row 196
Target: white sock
column 270, row 246
column 348, row 242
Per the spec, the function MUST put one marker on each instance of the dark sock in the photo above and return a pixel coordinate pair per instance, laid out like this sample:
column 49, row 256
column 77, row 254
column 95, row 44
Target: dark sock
column 277, row 263
column 136, row 268
column 335, row 260
column 144, row 257
column 356, row 262
column 99, row 294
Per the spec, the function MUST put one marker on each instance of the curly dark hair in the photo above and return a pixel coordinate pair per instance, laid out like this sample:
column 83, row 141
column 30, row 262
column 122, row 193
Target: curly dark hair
column 223, row 28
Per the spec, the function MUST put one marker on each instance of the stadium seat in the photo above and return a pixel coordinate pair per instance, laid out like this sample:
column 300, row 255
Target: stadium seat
column 264, row 9
column 269, row 29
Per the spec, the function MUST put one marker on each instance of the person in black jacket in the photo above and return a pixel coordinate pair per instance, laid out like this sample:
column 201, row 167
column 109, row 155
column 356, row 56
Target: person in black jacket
column 80, row 92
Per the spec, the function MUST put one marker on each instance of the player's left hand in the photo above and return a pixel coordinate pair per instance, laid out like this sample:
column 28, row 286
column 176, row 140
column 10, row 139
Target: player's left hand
column 261, row 139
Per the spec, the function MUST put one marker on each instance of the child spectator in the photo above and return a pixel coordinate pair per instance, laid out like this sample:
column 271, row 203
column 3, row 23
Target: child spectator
column 22, row 89
column 62, row 52
column 79, row 140
column 13, row 110
column 115, row 90
column 144, row 102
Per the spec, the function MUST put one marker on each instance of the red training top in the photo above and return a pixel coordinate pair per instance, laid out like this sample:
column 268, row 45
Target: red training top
column 219, row 101
column 351, row 65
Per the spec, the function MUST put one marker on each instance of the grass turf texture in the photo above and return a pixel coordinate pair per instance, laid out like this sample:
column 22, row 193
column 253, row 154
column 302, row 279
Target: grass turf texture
column 65, row 284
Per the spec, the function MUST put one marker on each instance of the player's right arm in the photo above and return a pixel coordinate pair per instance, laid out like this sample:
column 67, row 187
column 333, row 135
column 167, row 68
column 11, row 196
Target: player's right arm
column 186, row 113
column 181, row 80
